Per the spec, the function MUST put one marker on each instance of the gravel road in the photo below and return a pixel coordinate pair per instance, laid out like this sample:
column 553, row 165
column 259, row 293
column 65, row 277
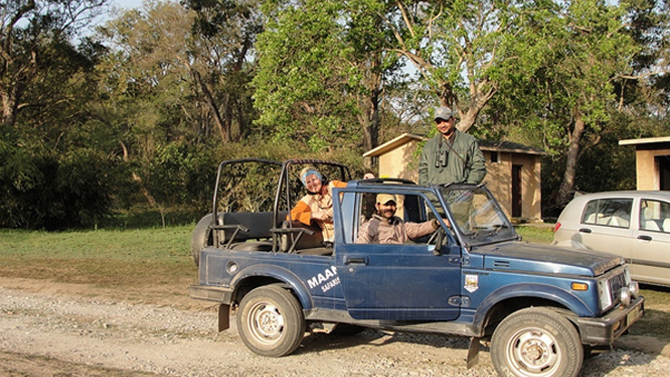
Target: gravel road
column 64, row 335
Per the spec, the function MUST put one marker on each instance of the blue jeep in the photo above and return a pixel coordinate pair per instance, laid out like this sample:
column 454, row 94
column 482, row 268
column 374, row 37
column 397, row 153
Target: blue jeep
column 541, row 307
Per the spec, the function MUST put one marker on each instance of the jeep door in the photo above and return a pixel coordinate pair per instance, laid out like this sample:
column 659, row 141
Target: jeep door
column 411, row 281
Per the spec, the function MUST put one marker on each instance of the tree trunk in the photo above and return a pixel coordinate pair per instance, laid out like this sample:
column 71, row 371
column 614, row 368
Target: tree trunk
column 14, row 75
column 8, row 110
column 140, row 183
column 224, row 129
column 566, row 190
column 468, row 119
column 480, row 95
column 371, row 127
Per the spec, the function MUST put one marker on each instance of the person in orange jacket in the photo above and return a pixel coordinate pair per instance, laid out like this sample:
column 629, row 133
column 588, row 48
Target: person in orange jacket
column 317, row 205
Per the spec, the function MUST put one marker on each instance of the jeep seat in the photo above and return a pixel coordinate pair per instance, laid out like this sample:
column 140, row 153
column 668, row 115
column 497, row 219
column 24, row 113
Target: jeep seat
column 306, row 241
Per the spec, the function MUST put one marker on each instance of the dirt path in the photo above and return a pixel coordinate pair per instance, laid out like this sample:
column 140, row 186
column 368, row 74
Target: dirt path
column 71, row 330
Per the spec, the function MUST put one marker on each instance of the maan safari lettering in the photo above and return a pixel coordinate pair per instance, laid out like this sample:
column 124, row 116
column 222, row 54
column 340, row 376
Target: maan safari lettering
column 327, row 280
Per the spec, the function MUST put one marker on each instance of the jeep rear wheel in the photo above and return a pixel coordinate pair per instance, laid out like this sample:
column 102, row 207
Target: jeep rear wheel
column 270, row 321
column 536, row 342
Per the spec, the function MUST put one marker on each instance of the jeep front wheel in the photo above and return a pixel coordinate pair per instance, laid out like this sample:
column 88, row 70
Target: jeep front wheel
column 536, row 342
column 270, row 321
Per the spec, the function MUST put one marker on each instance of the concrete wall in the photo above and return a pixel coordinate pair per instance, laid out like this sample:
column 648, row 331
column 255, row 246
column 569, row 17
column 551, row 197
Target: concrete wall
column 499, row 181
column 400, row 163
column 648, row 174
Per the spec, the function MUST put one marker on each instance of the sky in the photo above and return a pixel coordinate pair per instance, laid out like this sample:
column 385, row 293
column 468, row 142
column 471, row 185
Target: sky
column 116, row 4
column 126, row 3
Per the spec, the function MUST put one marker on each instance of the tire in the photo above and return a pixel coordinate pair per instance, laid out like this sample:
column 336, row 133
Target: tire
column 200, row 238
column 270, row 321
column 536, row 342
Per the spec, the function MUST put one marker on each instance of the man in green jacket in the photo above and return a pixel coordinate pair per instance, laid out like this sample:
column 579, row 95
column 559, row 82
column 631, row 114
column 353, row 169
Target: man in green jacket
column 451, row 155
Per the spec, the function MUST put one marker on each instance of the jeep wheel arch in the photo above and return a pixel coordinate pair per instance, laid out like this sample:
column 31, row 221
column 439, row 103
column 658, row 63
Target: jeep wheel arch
column 517, row 296
column 263, row 275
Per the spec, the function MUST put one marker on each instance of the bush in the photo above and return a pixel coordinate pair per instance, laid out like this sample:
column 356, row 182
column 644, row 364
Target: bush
column 49, row 191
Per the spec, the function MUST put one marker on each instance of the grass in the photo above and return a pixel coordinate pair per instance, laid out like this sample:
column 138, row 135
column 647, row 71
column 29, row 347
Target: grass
column 536, row 234
column 656, row 320
column 106, row 258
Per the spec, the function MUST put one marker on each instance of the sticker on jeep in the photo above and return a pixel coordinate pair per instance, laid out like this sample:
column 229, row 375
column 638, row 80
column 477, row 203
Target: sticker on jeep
column 327, row 280
column 471, row 283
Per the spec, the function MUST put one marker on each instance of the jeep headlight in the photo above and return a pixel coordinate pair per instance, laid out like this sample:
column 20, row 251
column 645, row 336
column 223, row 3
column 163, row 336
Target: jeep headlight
column 627, row 276
column 605, row 294
column 624, row 296
column 634, row 289
column 633, row 286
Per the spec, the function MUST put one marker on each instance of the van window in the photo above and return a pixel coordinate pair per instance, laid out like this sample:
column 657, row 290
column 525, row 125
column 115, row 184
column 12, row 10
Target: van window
column 655, row 215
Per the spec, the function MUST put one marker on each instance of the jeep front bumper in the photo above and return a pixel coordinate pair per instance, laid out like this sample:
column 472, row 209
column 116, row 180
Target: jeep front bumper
column 606, row 329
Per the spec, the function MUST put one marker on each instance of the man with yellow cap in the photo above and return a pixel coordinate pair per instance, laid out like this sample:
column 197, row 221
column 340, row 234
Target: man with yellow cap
column 387, row 228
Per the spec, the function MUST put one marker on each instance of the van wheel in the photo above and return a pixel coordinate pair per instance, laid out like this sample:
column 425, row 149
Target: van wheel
column 270, row 321
column 536, row 342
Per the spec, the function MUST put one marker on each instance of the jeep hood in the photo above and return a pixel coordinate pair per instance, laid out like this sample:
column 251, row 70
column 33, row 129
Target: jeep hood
column 522, row 256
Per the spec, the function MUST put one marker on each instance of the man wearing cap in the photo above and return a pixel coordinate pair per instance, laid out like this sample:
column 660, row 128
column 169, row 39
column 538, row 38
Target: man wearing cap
column 451, row 155
column 387, row 228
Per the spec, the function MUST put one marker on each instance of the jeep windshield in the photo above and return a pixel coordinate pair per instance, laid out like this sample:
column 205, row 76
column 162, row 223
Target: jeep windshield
column 478, row 216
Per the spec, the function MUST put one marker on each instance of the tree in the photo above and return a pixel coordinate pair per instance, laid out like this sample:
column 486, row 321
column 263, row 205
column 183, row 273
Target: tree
column 323, row 71
column 151, row 102
column 594, row 73
column 456, row 46
column 34, row 43
column 224, row 33
column 301, row 81
column 51, row 177
column 599, row 52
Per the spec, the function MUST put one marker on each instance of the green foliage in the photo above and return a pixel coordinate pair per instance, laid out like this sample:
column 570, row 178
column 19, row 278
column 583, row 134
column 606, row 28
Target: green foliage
column 51, row 191
column 35, row 49
column 567, row 97
column 298, row 88
column 322, row 69
column 178, row 174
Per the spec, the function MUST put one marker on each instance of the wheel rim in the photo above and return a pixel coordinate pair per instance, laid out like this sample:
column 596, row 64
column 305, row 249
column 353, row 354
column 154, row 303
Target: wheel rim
column 533, row 352
column 266, row 323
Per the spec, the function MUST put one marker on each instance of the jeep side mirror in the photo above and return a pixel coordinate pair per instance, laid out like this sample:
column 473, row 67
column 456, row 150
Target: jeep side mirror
column 439, row 241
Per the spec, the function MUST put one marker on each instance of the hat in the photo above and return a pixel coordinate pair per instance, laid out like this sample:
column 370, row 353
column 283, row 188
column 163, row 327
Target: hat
column 385, row 198
column 307, row 171
column 443, row 113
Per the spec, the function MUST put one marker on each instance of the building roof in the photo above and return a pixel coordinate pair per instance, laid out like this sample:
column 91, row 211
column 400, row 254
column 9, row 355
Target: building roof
column 509, row 146
column 485, row 145
column 649, row 140
column 393, row 144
